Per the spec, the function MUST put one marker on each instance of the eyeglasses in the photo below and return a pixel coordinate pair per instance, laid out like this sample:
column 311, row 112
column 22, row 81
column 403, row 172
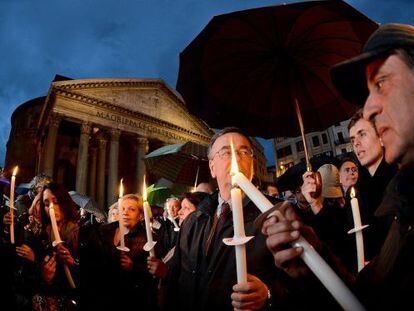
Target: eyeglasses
column 351, row 169
column 225, row 153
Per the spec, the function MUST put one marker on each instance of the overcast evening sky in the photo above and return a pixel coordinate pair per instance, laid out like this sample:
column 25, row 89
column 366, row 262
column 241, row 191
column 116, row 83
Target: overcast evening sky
column 119, row 39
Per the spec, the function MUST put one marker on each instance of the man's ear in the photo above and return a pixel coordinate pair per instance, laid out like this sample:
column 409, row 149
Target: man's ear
column 211, row 165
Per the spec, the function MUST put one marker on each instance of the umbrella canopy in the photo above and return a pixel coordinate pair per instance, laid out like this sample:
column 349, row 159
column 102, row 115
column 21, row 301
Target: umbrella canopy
column 179, row 163
column 247, row 68
column 88, row 204
column 158, row 195
column 292, row 178
column 22, row 188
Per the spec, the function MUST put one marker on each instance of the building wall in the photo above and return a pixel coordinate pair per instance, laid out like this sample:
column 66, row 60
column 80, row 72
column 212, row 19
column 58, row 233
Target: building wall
column 260, row 161
column 333, row 141
column 21, row 146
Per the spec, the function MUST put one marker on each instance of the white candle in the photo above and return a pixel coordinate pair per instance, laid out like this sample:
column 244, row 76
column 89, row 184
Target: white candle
column 55, row 229
column 311, row 258
column 150, row 243
column 358, row 231
column 238, row 222
column 12, row 187
column 121, row 231
column 57, row 241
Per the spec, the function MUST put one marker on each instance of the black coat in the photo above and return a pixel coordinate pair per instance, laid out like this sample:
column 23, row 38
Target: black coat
column 105, row 286
column 370, row 192
column 331, row 226
column 166, row 236
column 198, row 283
column 387, row 283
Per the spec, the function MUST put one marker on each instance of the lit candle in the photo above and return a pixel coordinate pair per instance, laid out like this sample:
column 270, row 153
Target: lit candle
column 310, row 256
column 239, row 239
column 149, row 246
column 55, row 229
column 57, row 241
column 357, row 230
column 12, row 186
column 121, row 230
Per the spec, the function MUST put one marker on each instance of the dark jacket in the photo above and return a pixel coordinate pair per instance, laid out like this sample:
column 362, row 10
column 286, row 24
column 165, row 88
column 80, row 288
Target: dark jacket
column 387, row 283
column 105, row 286
column 370, row 192
column 69, row 233
column 166, row 236
column 330, row 224
column 196, row 282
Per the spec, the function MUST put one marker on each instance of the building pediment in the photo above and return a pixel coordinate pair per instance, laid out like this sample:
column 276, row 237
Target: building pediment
column 146, row 99
column 151, row 97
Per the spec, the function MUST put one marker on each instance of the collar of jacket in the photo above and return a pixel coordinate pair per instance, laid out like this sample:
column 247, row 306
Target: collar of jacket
column 399, row 196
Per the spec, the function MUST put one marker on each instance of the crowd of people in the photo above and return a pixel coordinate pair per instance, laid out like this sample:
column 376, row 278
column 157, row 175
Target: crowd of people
column 80, row 267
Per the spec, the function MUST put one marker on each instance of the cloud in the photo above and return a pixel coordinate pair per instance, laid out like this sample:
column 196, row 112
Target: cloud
column 106, row 38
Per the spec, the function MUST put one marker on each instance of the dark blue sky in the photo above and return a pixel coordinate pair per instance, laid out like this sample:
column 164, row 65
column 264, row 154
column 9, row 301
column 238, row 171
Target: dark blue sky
column 119, row 38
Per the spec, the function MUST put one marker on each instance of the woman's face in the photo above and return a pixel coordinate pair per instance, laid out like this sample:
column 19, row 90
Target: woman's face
column 186, row 209
column 49, row 199
column 131, row 212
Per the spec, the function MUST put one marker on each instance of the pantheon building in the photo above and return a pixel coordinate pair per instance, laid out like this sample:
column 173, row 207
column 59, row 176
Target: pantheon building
column 88, row 134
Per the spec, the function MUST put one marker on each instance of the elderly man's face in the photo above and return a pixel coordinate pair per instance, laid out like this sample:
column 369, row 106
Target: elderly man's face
column 220, row 162
column 390, row 104
column 174, row 206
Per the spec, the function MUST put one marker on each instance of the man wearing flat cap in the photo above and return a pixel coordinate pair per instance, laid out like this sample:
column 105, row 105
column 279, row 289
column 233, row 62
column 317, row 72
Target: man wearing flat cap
column 381, row 79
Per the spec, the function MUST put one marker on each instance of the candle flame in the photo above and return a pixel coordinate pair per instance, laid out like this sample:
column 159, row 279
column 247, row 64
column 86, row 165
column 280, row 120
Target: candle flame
column 144, row 190
column 352, row 194
column 234, row 167
column 121, row 189
column 15, row 170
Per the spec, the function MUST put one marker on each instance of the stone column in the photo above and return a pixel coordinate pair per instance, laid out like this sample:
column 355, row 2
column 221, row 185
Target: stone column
column 101, row 173
column 82, row 164
column 142, row 148
column 50, row 145
column 113, row 167
column 92, row 174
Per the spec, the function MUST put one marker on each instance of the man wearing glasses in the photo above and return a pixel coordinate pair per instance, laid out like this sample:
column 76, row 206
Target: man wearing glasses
column 203, row 270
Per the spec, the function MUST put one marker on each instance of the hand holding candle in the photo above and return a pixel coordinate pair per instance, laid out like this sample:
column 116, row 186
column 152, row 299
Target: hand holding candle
column 57, row 241
column 121, row 228
column 311, row 258
column 357, row 230
column 12, row 187
column 149, row 246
